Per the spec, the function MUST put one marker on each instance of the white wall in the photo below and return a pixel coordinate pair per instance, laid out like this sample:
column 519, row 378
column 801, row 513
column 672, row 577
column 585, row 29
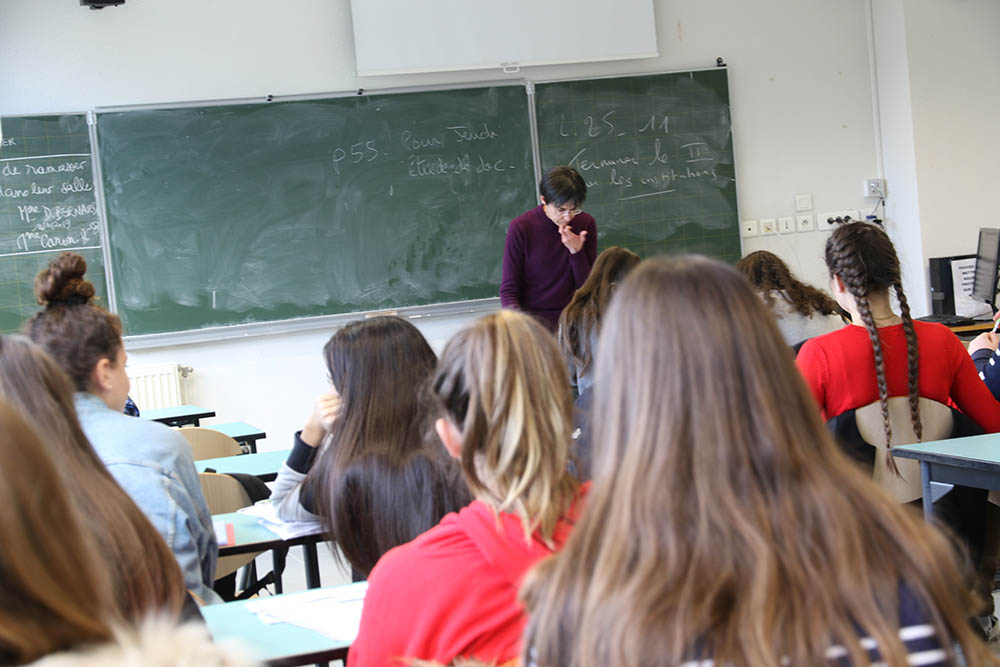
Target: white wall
column 938, row 73
column 802, row 117
column 900, row 171
column 955, row 90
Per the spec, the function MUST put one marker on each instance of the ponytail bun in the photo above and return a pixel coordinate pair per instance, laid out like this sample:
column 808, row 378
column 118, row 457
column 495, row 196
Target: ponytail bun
column 63, row 282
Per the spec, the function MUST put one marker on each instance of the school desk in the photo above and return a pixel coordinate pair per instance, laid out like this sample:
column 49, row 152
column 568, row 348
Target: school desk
column 252, row 536
column 180, row 415
column 263, row 464
column 972, row 461
column 275, row 644
column 242, row 432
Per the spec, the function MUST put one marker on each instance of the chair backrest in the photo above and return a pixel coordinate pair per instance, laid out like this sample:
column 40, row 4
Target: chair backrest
column 207, row 443
column 225, row 494
column 937, row 422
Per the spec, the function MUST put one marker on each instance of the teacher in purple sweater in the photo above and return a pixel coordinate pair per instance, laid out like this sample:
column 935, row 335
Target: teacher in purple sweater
column 549, row 249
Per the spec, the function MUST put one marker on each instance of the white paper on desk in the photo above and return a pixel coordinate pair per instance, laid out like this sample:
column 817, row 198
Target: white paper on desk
column 963, row 278
column 332, row 612
column 267, row 514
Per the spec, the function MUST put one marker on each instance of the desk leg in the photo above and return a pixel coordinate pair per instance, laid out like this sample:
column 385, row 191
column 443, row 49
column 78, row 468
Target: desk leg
column 312, row 565
column 925, row 482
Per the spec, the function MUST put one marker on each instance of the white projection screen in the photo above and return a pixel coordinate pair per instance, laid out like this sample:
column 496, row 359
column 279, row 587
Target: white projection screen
column 407, row 36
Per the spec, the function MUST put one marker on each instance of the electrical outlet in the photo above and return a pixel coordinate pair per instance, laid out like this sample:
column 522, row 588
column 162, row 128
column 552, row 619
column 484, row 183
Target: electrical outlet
column 803, row 202
column 875, row 187
column 786, row 225
column 749, row 228
column 825, row 222
column 804, row 221
column 768, row 226
column 852, row 214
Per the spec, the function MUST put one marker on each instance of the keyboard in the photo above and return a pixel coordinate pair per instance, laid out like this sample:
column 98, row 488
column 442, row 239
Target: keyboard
column 950, row 320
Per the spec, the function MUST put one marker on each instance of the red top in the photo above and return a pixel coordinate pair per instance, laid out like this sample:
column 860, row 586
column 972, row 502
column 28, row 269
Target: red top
column 839, row 367
column 452, row 591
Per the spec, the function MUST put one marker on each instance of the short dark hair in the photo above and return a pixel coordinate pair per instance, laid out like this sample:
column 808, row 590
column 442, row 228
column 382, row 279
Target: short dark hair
column 562, row 184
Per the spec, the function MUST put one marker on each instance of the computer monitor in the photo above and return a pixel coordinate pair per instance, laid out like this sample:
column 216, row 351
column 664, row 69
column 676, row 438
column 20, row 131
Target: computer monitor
column 987, row 266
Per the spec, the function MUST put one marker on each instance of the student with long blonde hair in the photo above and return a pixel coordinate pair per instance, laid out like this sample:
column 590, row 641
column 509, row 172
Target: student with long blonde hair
column 505, row 413
column 724, row 526
column 144, row 575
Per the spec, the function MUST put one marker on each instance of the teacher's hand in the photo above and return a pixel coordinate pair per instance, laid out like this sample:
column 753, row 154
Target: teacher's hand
column 573, row 242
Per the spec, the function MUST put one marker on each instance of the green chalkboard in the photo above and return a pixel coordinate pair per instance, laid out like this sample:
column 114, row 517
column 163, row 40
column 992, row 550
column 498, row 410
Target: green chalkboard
column 234, row 214
column 657, row 154
column 47, row 205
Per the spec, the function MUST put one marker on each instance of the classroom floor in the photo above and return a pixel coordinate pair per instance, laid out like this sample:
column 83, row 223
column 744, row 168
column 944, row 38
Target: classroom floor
column 294, row 578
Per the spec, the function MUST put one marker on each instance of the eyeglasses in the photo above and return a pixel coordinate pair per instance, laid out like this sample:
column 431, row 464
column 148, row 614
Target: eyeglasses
column 571, row 212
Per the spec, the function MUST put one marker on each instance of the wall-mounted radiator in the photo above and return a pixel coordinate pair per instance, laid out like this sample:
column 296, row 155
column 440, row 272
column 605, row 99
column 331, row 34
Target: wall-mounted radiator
column 157, row 385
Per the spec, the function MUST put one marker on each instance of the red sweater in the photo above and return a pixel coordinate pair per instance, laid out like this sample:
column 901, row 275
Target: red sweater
column 452, row 591
column 840, row 370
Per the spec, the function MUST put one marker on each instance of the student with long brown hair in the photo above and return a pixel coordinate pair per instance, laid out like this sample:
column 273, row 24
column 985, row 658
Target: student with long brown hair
column 151, row 462
column 505, row 413
column 57, row 588
column 54, row 593
column 364, row 462
column 885, row 354
column 723, row 524
column 144, row 575
column 580, row 321
column 802, row 310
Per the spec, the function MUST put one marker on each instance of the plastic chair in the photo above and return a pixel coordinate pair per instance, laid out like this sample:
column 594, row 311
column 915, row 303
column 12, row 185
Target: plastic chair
column 207, row 443
column 938, row 422
column 225, row 494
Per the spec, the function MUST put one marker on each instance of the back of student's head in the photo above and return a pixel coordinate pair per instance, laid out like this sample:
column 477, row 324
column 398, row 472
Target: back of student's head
column 773, row 279
column 54, row 592
column 503, row 384
column 863, row 256
column 145, row 575
column 582, row 315
column 71, row 327
column 366, row 476
column 723, row 521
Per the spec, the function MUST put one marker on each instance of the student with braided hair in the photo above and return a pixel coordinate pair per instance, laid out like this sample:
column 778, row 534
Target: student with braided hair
column 886, row 354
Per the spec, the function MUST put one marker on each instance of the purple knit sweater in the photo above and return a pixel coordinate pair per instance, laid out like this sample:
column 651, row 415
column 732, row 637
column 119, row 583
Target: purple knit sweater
column 539, row 273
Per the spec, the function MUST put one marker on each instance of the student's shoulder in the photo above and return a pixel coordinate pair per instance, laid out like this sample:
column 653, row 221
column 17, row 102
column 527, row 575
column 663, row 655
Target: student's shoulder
column 935, row 331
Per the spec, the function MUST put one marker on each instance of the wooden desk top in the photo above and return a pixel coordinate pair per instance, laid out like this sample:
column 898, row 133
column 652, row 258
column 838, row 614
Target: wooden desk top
column 252, row 536
column 263, row 464
column 177, row 415
column 980, row 452
column 275, row 644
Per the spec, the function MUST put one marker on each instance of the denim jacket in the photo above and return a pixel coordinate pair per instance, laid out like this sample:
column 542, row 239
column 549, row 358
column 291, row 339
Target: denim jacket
column 154, row 465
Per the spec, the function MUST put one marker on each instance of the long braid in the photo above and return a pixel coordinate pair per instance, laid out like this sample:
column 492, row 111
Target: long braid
column 863, row 257
column 883, row 388
column 912, row 361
